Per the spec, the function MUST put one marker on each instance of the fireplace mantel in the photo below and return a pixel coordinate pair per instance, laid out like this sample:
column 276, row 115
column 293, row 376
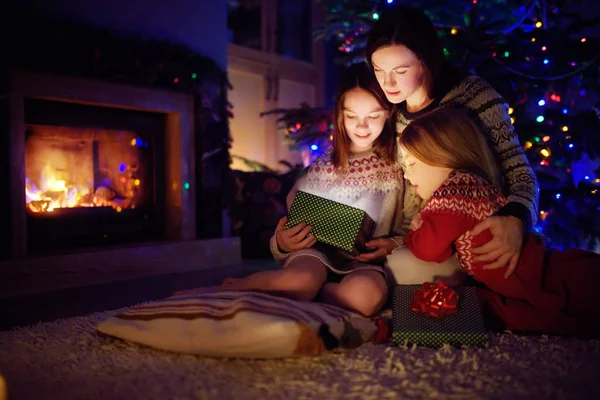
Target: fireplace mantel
column 178, row 144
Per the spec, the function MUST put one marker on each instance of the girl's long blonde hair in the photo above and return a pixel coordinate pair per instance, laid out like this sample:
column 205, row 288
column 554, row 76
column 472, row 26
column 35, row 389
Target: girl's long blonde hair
column 448, row 137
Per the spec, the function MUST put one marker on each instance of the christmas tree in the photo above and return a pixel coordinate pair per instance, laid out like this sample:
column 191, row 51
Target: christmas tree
column 534, row 53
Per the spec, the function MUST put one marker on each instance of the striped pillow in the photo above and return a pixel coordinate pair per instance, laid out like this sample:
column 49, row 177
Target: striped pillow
column 240, row 324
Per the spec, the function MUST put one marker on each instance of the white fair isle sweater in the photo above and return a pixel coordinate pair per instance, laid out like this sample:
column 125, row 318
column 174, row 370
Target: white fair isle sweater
column 369, row 183
column 490, row 111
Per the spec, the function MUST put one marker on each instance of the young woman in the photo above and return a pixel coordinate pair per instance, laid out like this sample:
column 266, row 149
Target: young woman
column 361, row 171
column 408, row 61
column 451, row 167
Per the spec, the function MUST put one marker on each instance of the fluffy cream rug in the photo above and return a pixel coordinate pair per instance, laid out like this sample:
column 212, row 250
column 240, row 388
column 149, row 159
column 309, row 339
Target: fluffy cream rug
column 68, row 360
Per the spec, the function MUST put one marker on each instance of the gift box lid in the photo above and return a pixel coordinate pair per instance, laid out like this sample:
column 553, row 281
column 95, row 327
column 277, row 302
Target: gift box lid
column 334, row 223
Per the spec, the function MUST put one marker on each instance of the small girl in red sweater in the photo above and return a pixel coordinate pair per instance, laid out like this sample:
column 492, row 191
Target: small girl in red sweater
column 449, row 163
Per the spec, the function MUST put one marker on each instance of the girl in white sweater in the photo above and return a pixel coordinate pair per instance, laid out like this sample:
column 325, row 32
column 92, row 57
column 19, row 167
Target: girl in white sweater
column 360, row 170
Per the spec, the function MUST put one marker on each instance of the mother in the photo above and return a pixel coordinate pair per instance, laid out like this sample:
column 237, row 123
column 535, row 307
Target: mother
column 407, row 58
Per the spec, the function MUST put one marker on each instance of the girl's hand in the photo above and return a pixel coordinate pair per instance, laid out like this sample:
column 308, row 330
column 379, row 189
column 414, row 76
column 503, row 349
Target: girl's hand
column 416, row 222
column 505, row 248
column 384, row 247
column 294, row 238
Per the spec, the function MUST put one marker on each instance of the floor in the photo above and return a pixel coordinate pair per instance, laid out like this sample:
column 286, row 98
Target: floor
column 85, row 300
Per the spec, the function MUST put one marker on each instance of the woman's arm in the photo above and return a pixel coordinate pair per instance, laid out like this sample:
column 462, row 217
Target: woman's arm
column 492, row 111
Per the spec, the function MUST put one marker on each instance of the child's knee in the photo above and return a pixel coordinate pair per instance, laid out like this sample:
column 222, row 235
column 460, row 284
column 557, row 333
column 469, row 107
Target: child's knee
column 365, row 294
column 305, row 283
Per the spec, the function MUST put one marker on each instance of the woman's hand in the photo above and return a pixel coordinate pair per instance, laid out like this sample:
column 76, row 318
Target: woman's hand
column 416, row 222
column 383, row 246
column 506, row 245
column 294, row 238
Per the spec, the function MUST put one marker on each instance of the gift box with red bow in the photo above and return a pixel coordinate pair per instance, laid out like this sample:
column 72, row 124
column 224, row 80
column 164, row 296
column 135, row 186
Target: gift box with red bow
column 432, row 315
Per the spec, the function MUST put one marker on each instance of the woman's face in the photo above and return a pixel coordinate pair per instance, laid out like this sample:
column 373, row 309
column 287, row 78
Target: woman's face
column 399, row 73
column 425, row 178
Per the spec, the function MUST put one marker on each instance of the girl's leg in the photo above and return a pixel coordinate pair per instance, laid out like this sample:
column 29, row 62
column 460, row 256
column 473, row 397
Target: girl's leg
column 300, row 280
column 362, row 291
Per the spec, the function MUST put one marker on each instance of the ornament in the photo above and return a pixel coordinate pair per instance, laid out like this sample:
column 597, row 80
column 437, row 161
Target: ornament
column 272, row 186
column 584, row 169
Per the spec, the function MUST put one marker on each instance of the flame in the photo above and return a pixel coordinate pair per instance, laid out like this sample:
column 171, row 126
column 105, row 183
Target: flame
column 55, row 193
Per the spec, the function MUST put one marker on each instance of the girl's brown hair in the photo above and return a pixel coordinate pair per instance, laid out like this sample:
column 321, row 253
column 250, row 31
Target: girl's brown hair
column 448, row 137
column 360, row 76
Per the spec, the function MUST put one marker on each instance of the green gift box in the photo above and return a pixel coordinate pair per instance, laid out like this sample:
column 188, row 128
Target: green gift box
column 466, row 327
column 333, row 223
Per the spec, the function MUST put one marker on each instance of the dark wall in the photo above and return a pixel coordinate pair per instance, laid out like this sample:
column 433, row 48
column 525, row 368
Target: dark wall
column 199, row 24
column 5, row 243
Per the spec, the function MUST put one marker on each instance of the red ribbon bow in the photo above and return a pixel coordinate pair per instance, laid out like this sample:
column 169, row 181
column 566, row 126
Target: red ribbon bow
column 435, row 299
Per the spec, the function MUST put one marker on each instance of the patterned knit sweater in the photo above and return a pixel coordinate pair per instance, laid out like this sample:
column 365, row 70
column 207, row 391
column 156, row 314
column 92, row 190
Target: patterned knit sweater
column 490, row 110
column 369, row 183
column 453, row 209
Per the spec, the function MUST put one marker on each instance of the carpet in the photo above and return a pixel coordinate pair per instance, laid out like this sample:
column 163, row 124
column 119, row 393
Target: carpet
column 67, row 360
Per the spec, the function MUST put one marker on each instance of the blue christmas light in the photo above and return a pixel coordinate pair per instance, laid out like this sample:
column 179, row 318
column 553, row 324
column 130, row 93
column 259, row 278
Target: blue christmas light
column 314, row 147
column 122, row 167
column 565, row 111
column 570, row 145
column 586, row 177
column 390, row 1
column 546, row 61
column 542, row 103
column 557, row 195
column 540, row 118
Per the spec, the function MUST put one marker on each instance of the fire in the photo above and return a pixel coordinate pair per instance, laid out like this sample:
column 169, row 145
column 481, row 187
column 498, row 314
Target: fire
column 55, row 193
column 69, row 167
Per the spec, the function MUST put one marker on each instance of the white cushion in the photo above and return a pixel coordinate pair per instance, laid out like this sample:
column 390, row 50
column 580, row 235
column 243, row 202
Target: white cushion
column 239, row 324
column 403, row 268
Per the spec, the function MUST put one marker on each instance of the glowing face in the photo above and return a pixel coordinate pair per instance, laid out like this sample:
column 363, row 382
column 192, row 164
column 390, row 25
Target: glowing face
column 364, row 119
column 425, row 178
column 400, row 74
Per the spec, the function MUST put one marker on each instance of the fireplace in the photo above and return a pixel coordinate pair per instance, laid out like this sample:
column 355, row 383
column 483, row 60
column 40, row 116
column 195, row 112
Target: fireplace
column 91, row 175
column 94, row 164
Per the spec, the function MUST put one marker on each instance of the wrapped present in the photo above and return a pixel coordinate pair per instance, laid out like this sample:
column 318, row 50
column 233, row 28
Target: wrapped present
column 333, row 223
column 432, row 315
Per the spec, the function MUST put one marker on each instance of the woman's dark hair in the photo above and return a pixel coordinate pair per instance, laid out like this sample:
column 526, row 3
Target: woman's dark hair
column 360, row 76
column 402, row 24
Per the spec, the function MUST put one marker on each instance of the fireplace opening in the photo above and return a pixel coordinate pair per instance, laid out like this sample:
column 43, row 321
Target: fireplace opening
column 94, row 175
column 70, row 168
